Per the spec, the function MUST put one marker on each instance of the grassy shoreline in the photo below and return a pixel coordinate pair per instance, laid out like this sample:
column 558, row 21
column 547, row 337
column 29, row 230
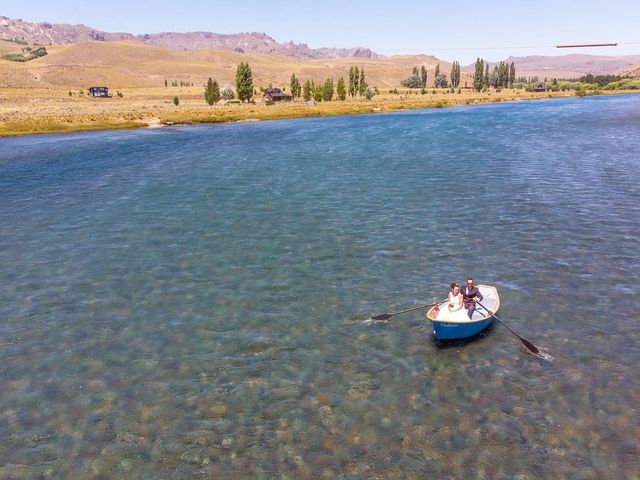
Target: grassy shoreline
column 50, row 112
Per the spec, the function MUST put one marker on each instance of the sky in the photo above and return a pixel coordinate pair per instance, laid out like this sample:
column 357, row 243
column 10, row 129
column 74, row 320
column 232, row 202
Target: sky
column 461, row 30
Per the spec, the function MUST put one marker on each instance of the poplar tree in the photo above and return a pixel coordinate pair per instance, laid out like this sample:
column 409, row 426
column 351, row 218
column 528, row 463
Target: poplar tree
column 327, row 90
column 294, row 86
column 341, row 90
column 423, row 76
column 455, row 74
column 352, row 83
column 244, row 82
column 362, row 83
column 317, row 91
column 486, row 75
column 356, row 81
column 478, row 76
column 306, row 91
column 512, row 74
column 435, row 75
column 212, row 92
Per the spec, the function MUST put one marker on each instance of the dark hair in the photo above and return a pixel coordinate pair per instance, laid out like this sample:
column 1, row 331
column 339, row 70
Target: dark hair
column 469, row 278
column 453, row 285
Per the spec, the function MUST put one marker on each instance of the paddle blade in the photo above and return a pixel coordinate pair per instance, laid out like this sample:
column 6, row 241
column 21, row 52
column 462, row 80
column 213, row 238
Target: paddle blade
column 382, row 316
column 530, row 346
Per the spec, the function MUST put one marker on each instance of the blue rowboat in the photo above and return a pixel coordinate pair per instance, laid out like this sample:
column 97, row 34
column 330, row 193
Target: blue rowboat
column 454, row 329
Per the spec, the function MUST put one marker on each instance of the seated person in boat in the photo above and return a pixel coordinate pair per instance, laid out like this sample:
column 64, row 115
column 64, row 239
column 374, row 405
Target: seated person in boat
column 470, row 295
column 454, row 310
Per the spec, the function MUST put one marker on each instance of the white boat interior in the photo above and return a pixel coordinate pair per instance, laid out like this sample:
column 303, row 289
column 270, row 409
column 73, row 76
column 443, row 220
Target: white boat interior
column 490, row 300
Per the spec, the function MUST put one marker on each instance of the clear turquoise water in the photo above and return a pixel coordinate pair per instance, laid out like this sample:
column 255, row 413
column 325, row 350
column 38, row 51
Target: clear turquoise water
column 188, row 302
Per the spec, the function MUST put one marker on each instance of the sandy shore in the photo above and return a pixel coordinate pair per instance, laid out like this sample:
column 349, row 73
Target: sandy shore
column 30, row 111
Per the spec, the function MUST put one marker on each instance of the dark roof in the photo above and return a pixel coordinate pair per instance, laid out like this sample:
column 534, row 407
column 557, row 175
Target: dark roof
column 276, row 92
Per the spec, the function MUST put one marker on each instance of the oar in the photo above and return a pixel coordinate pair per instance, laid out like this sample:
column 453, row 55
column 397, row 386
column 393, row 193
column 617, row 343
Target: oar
column 532, row 348
column 386, row 316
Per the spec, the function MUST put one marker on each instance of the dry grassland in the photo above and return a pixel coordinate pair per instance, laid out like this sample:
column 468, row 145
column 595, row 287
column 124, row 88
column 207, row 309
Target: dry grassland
column 33, row 111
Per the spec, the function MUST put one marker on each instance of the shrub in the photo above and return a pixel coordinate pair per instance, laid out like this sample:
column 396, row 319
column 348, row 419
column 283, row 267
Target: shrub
column 625, row 84
column 227, row 92
column 433, row 91
column 176, row 101
column 459, row 90
column 528, row 88
column 27, row 54
column 368, row 93
column 70, row 94
column 411, row 81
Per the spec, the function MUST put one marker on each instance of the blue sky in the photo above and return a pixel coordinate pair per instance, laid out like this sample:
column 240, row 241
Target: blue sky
column 459, row 30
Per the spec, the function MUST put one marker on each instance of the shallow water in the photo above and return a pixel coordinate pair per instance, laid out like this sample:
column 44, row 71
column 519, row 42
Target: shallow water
column 189, row 302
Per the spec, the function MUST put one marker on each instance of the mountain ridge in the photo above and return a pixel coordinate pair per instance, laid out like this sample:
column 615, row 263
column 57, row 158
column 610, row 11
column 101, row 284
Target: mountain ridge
column 45, row 33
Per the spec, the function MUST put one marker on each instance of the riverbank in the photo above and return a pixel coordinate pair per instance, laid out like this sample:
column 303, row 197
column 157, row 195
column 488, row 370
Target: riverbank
column 29, row 111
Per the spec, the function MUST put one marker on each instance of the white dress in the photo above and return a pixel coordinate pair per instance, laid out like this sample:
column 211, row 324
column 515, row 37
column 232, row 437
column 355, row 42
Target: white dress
column 455, row 315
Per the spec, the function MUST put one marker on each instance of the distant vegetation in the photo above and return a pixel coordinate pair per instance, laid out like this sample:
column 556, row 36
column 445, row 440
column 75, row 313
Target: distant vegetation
column 178, row 83
column 15, row 40
column 27, row 54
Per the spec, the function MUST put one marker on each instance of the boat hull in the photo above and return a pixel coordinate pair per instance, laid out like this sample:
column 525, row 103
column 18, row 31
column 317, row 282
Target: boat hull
column 452, row 331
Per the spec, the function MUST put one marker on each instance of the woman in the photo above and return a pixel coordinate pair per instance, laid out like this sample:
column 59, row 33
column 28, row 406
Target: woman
column 454, row 309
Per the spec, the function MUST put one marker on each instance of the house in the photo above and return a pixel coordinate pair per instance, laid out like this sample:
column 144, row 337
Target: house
column 99, row 92
column 539, row 87
column 276, row 95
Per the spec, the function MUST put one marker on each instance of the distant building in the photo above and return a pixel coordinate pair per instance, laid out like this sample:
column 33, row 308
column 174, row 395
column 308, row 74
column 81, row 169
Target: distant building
column 539, row 87
column 99, row 92
column 276, row 95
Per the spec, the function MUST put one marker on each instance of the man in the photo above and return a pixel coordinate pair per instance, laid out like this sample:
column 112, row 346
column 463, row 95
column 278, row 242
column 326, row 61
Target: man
column 470, row 295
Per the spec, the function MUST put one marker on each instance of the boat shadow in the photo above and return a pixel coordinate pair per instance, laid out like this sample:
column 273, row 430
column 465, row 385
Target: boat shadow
column 461, row 342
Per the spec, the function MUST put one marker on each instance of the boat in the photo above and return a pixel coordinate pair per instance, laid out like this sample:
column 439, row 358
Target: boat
column 455, row 329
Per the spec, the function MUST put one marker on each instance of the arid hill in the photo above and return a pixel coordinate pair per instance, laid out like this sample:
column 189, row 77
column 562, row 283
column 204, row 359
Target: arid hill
column 45, row 33
column 632, row 72
column 134, row 64
column 572, row 66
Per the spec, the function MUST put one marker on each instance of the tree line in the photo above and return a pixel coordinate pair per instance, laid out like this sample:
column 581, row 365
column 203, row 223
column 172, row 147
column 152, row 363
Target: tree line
column 503, row 75
column 324, row 91
column 418, row 77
